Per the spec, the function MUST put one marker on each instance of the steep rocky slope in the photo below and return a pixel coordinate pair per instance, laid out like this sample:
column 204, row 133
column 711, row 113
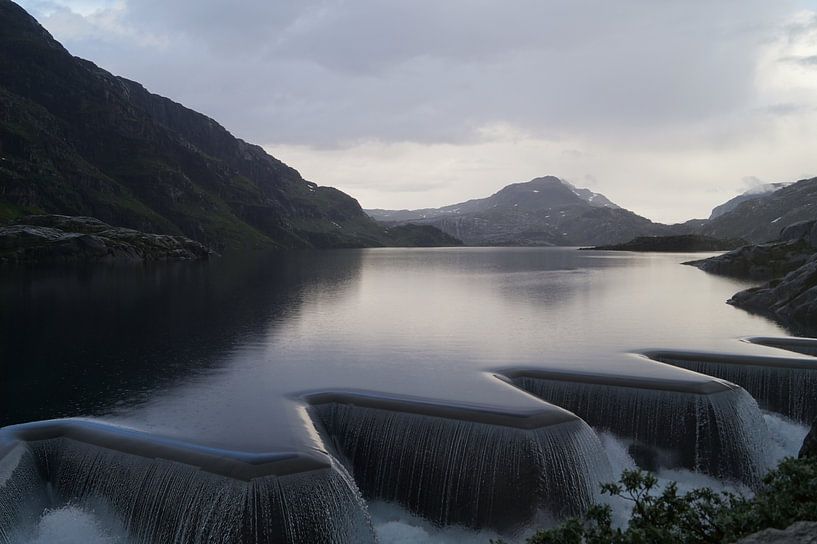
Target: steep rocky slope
column 752, row 194
column 761, row 219
column 77, row 140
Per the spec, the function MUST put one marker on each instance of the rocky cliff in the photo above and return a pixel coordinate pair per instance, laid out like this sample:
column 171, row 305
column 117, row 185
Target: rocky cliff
column 77, row 140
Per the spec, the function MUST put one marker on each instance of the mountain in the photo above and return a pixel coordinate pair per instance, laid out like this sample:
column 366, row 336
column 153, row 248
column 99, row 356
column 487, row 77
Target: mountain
column 760, row 191
column 77, row 140
column 760, row 220
column 543, row 211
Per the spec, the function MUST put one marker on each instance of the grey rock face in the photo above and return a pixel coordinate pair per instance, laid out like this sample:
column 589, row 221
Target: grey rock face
column 798, row 231
column 792, row 298
column 809, row 448
column 760, row 262
column 812, row 238
column 802, row 532
column 60, row 238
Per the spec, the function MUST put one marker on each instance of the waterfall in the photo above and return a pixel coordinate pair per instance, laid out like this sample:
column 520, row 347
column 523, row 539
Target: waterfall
column 466, row 471
column 22, row 492
column 719, row 433
column 159, row 500
column 786, row 386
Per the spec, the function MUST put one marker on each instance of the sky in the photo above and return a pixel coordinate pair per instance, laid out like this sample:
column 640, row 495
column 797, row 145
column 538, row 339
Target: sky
column 667, row 108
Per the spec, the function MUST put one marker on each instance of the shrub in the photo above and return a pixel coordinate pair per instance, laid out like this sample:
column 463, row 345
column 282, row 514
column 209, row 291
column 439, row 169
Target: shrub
column 701, row 516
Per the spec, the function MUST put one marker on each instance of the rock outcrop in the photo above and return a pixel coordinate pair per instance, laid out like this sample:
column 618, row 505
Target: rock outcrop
column 792, row 299
column 759, row 262
column 791, row 264
column 809, row 448
column 802, row 532
column 61, row 239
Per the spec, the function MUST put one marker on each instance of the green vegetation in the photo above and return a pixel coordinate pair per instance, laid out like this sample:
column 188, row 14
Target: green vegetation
column 11, row 211
column 789, row 494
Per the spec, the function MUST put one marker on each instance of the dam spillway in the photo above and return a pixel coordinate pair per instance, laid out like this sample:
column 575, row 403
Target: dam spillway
column 464, row 464
column 452, row 463
column 166, row 491
column 780, row 384
column 709, row 426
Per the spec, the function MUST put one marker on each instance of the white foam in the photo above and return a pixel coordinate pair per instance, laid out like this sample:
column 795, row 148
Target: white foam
column 72, row 525
column 787, row 436
column 394, row 525
column 616, row 450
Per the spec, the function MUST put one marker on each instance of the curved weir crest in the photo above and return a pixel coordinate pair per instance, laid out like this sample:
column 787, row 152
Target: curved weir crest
column 805, row 346
column 453, row 462
column 781, row 384
column 689, row 420
column 168, row 491
column 464, row 464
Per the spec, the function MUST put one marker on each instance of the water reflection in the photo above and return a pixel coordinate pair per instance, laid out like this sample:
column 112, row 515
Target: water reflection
column 79, row 340
column 214, row 350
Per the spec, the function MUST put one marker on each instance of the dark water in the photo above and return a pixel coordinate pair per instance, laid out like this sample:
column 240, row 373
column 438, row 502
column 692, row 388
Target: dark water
column 214, row 350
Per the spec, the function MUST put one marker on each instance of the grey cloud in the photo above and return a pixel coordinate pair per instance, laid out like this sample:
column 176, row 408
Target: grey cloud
column 661, row 98
column 329, row 72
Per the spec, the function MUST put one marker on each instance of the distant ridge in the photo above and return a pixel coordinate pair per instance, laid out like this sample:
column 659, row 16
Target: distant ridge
column 760, row 191
column 544, row 211
column 761, row 219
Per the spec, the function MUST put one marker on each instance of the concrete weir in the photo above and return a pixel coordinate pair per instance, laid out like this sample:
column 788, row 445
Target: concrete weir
column 453, row 463
column 806, row 346
column 686, row 419
column 163, row 490
column 495, row 463
column 780, row 384
column 462, row 463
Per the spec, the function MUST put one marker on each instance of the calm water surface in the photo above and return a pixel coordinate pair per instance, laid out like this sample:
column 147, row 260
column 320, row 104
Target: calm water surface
column 218, row 351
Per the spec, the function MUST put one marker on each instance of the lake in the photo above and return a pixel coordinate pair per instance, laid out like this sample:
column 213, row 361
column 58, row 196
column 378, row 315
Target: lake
column 220, row 352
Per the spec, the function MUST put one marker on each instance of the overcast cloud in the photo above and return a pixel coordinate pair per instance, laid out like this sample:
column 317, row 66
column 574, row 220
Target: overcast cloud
column 668, row 108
